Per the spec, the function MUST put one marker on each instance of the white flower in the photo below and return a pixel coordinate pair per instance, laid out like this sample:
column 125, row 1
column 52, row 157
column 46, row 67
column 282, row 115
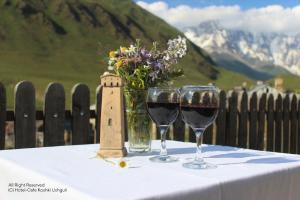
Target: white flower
column 111, row 62
column 132, row 48
column 166, row 57
column 177, row 47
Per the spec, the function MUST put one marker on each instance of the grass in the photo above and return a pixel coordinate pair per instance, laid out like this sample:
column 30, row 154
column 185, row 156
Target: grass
column 229, row 79
column 291, row 82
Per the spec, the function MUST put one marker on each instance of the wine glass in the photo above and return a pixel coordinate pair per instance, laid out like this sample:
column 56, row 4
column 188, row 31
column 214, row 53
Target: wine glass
column 199, row 108
column 163, row 108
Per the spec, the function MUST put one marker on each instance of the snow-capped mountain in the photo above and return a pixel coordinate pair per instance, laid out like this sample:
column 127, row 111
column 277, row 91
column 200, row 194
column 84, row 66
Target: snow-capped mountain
column 260, row 51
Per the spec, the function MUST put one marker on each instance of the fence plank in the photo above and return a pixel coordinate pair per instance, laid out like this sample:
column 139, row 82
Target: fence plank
column 25, row 124
column 270, row 123
column 54, row 112
column 179, row 129
column 195, row 100
column 221, row 119
column 80, row 114
column 162, row 97
column 293, row 134
column 278, row 123
column 2, row 115
column 261, row 122
column 286, row 123
column 298, row 136
column 192, row 135
column 98, row 113
column 243, row 121
column 208, row 135
column 231, row 131
column 253, row 122
column 125, row 120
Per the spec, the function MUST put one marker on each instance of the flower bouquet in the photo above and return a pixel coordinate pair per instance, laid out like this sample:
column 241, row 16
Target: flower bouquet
column 140, row 69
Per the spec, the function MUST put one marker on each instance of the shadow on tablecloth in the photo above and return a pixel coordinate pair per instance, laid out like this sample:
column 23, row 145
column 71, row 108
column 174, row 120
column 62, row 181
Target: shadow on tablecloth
column 235, row 155
column 187, row 150
column 272, row 160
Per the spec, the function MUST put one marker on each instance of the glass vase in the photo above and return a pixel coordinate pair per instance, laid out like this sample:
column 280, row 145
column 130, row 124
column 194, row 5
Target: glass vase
column 138, row 121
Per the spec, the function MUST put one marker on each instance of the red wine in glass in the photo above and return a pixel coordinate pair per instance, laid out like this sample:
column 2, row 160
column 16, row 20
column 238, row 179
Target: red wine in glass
column 163, row 113
column 199, row 109
column 199, row 115
column 163, row 108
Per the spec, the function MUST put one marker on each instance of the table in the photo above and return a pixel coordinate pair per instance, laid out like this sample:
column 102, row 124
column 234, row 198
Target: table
column 73, row 172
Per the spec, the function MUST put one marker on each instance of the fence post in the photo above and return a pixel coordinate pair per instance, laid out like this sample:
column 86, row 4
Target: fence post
column 192, row 136
column 286, row 123
column 270, row 123
column 54, row 115
column 2, row 115
column 126, row 131
column 208, row 135
column 278, row 123
column 221, row 119
column 298, row 136
column 231, row 130
column 80, row 114
column 261, row 122
column 253, row 122
column 243, row 121
column 161, row 97
column 179, row 129
column 98, row 113
column 293, row 134
column 25, row 123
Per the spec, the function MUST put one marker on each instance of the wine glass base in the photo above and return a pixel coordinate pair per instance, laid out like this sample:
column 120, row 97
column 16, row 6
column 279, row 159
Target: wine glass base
column 163, row 159
column 199, row 165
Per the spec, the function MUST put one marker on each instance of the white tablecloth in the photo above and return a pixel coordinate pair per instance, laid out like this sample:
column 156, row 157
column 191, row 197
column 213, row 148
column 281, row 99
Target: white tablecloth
column 73, row 172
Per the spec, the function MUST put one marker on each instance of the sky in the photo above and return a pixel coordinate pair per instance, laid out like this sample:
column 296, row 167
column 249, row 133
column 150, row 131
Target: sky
column 279, row 16
column 244, row 4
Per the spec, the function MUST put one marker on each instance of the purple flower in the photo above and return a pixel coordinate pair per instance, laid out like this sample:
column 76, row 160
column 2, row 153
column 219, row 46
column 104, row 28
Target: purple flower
column 156, row 65
column 145, row 54
column 153, row 75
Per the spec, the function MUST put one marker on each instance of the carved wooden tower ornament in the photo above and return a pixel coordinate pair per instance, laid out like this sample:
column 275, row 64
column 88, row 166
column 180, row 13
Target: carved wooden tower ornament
column 112, row 117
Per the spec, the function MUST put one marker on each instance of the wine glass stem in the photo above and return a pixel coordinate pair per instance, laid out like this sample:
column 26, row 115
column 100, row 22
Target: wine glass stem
column 163, row 132
column 199, row 135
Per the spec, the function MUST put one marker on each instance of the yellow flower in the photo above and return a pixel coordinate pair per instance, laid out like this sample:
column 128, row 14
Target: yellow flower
column 112, row 54
column 119, row 64
column 123, row 49
column 122, row 163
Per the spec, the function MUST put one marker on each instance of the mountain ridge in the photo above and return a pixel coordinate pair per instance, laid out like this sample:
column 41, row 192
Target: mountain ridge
column 257, row 49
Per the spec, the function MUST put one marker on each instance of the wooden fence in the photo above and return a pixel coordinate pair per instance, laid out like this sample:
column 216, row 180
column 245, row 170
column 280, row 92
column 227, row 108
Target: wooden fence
column 260, row 122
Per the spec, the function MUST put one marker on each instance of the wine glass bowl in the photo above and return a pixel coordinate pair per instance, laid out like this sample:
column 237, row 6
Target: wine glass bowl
column 163, row 108
column 199, row 109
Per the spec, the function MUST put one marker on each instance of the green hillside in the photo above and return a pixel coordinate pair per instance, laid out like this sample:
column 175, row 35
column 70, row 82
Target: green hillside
column 229, row 79
column 291, row 82
column 67, row 41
